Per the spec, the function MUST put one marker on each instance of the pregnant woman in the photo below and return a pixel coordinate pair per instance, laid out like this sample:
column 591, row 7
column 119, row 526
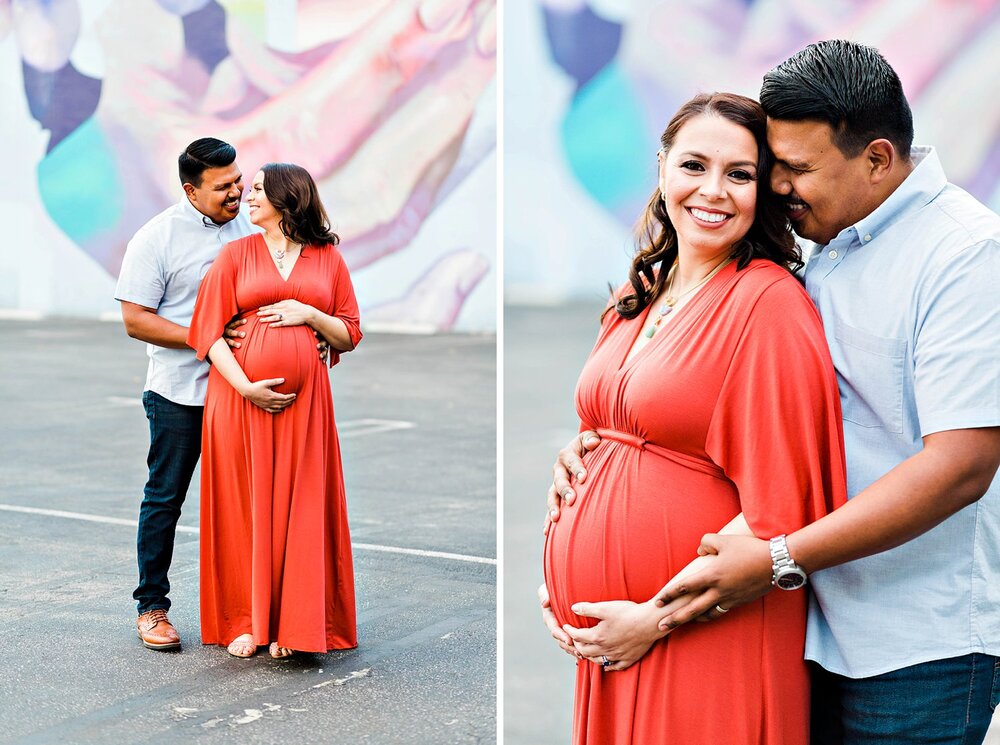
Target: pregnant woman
column 276, row 561
column 713, row 391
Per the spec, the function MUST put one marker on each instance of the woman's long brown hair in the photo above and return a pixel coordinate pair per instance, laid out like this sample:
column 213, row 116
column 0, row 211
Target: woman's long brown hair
column 293, row 193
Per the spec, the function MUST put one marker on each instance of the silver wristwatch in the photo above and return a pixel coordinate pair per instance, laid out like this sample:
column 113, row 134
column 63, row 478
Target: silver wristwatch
column 787, row 575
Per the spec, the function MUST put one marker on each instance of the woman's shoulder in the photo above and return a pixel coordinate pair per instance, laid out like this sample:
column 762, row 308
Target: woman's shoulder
column 763, row 276
column 773, row 297
column 241, row 244
column 237, row 250
column 327, row 257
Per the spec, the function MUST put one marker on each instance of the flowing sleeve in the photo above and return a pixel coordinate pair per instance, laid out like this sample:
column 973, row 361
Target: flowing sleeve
column 777, row 430
column 345, row 305
column 216, row 304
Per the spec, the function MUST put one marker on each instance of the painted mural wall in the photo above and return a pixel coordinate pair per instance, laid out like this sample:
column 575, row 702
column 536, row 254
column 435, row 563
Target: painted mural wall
column 592, row 83
column 391, row 105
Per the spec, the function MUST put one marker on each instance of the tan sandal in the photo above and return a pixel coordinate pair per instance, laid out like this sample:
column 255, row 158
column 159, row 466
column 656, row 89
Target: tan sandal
column 279, row 653
column 242, row 646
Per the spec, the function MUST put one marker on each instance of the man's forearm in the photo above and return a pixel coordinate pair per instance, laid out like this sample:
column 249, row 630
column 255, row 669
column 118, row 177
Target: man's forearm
column 145, row 325
column 952, row 471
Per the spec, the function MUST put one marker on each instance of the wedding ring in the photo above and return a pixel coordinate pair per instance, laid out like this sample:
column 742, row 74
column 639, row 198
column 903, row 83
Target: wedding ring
column 605, row 662
column 721, row 609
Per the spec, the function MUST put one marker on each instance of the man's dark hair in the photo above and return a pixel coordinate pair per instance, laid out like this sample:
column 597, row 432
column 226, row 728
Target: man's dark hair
column 202, row 154
column 849, row 86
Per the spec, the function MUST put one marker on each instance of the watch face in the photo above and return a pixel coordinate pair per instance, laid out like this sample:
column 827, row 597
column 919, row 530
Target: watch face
column 791, row 580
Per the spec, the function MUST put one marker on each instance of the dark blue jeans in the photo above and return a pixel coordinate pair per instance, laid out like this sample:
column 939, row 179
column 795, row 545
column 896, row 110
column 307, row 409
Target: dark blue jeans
column 945, row 702
column 174, row 449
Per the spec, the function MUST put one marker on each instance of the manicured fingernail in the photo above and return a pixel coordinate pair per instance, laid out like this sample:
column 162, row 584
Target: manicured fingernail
column 554, row 514
column 569, row 494
column 580, row 474
column 575, row 609
column 237, row 345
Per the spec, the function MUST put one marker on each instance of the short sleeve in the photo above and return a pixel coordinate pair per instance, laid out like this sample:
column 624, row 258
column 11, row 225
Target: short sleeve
column 777, row 430
column 216, row 304
column 141, row 280
column 956, row 352
column 345, row 305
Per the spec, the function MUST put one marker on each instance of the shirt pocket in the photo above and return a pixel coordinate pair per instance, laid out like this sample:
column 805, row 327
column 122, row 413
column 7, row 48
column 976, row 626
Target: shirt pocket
column 870, row 374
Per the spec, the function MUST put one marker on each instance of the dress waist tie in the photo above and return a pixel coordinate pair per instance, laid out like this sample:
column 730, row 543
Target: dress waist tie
column 681, row 459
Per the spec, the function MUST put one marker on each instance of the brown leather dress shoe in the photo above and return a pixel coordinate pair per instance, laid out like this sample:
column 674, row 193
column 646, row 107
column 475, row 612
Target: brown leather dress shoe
column 156, row 631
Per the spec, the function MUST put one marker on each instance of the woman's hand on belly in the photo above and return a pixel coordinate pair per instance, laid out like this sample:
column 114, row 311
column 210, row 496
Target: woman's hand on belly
column 331, row 329
column 624, row 633
column 287, row 313
column 261, row 395
column 549, row 619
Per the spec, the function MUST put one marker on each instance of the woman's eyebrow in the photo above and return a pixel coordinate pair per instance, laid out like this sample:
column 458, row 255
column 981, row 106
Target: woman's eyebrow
column 700, row 156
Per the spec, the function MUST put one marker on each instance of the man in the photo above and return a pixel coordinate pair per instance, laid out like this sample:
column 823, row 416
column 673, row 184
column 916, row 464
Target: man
column 905, row 622
column 163, row 266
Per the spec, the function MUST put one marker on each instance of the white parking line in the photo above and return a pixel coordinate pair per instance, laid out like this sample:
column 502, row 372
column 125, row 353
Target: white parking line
column 358, row 427
column 187, row 529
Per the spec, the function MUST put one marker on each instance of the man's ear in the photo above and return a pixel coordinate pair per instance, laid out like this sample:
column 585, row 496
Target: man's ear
column 881, row 156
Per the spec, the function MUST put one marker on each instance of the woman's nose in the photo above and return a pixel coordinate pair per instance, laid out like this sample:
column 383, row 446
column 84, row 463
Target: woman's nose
column 713, row 187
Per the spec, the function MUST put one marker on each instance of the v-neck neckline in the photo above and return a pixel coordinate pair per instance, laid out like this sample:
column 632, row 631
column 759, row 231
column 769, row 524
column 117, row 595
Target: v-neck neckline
column 629, row 360
column 270, row 259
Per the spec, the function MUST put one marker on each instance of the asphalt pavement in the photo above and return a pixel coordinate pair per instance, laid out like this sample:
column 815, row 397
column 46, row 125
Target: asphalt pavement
column 544, row 350
column 417, row 417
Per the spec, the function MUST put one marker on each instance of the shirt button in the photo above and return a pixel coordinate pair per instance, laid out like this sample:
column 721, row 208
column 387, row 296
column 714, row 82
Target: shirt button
column 868, row 237
column 833, row 254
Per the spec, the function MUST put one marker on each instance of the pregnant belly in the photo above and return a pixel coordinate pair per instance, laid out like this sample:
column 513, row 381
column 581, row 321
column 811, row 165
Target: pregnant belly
column 287, row 352
column 637, row 521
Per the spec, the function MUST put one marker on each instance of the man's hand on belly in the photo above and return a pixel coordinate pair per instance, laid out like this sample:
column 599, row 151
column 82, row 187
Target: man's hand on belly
column 232, row 332
column 569, row 462
column 739, row 571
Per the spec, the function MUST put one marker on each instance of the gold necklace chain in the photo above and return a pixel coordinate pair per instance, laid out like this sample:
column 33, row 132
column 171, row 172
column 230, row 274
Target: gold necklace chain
column 670, row 301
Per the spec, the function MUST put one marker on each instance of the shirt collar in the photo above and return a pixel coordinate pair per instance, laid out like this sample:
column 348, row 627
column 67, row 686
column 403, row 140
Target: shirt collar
column 925, row 182
column 192, row 212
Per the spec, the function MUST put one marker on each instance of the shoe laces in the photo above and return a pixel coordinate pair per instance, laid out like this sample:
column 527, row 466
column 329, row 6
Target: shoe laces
column 156, row 615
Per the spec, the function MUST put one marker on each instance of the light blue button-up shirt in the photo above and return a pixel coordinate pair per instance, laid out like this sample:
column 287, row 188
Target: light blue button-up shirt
column 163, row 267
column 910, row 300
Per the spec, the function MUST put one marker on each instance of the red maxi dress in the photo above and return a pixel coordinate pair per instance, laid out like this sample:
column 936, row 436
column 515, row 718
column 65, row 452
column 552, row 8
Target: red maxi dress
column 731, row 407
column 275, row 546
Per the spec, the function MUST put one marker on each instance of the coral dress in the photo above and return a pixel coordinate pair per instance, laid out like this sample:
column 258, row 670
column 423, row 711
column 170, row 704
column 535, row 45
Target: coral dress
column 731, row 407
column 275, row 547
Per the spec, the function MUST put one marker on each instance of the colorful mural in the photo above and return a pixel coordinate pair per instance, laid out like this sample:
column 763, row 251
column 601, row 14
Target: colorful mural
column 391, row 104
column 595, row 81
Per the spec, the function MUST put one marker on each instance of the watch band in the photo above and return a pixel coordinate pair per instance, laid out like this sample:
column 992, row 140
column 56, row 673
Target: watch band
column 785, row 573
